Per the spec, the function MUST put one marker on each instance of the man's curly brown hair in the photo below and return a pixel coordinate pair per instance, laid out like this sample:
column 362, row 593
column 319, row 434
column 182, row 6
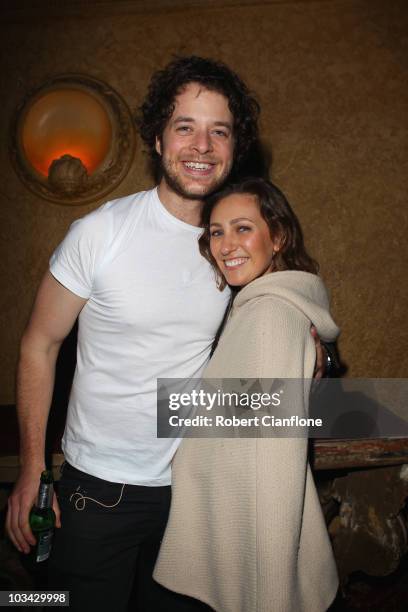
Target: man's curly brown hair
column 213, row 75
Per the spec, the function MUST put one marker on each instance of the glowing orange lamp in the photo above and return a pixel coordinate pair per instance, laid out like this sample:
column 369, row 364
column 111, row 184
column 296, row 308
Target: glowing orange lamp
column 73, row 139
column 66, row 122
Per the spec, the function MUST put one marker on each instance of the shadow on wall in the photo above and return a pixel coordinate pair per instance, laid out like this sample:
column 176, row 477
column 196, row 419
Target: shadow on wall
column 257, row 163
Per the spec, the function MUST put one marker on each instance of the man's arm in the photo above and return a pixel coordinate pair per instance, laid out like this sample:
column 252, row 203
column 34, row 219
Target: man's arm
column 54, row 314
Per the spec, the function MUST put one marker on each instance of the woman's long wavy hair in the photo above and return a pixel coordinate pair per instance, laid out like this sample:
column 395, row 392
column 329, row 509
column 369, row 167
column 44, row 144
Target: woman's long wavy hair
column 282, row 222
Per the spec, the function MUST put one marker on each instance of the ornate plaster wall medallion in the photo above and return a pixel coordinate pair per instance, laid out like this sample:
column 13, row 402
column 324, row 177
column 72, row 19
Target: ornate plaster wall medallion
column 72, row 139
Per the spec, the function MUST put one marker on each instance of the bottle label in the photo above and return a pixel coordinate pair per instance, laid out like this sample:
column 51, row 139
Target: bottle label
column 44, row 545
column 45, row 495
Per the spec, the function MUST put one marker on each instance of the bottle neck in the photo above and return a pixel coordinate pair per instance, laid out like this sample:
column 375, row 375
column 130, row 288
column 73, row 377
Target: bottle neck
column 45, row 495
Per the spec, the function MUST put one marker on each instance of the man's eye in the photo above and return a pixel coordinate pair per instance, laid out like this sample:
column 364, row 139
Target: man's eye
column 221, row 133
column 183, row 128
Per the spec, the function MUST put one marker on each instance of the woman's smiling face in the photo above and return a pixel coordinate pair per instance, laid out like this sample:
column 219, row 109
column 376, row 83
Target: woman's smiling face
column 240, row 240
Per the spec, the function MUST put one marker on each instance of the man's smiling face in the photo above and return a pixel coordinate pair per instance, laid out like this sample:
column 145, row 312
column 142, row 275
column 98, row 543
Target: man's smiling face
column 197, row 144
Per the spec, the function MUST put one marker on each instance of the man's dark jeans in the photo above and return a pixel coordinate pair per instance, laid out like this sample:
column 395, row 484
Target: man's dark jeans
column 101, row 553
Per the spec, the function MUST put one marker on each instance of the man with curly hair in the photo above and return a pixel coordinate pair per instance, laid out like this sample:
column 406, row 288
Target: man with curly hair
column 148, row 307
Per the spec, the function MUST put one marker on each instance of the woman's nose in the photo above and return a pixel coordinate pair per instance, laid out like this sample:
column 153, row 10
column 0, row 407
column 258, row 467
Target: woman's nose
column 228, row 245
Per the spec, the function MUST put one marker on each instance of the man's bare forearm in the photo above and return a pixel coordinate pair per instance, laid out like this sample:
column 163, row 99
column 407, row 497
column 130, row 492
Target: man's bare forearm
column 35, row 383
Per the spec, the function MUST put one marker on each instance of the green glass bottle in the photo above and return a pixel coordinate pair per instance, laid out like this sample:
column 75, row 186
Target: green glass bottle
column 42, row 517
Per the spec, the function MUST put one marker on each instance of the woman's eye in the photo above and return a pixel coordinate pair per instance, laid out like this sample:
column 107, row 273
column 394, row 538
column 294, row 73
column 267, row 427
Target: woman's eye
column 243, row 228
column 215, row 233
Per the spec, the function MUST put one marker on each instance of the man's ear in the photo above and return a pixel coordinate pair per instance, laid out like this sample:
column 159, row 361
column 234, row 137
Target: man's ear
column 158, row 145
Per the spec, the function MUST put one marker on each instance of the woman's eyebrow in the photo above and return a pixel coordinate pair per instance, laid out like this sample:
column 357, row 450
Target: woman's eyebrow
column 241, row 219
column 238, row 220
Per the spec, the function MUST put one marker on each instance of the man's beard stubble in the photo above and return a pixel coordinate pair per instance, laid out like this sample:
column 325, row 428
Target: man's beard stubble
column 177, row 186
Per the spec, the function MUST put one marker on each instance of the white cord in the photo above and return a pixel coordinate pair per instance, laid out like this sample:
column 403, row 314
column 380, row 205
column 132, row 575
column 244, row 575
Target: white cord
column 80, row 502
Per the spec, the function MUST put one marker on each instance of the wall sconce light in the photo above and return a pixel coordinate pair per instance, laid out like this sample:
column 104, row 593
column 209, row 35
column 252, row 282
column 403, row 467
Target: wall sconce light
column 72, row 139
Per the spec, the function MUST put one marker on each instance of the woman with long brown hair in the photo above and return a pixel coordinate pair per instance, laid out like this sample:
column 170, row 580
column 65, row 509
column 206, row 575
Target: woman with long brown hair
column 246, row 532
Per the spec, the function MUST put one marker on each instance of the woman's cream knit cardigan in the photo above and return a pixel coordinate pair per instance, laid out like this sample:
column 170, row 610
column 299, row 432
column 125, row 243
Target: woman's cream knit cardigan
column 246, row 532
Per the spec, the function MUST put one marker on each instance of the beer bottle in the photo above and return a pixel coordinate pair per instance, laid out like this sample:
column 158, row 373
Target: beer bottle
column 42, row 517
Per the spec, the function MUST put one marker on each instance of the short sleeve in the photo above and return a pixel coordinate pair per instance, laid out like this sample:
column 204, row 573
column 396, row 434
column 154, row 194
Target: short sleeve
column 78, row 257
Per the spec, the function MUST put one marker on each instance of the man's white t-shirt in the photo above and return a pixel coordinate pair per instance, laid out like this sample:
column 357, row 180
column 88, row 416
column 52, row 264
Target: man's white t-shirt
column 152, row 312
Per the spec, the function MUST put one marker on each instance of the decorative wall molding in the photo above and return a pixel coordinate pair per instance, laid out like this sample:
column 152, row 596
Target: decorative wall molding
column 68, row 181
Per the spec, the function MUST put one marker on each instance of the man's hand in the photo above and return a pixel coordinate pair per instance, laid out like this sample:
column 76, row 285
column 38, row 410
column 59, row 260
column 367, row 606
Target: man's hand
column 321, row 357
column 20, row 502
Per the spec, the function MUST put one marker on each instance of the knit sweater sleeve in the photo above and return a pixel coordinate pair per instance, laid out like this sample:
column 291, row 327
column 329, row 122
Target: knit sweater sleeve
column 283, row 344
column 266, row 338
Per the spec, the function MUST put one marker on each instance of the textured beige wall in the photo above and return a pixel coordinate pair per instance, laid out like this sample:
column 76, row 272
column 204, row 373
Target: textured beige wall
column 331, row 77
